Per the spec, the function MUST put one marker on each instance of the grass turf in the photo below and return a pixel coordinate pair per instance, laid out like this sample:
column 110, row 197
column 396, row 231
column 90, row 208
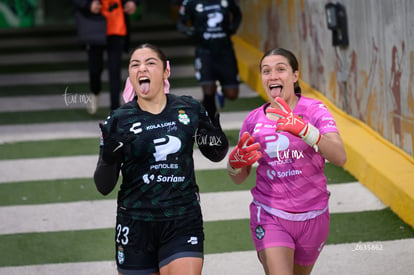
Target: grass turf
column 81, row 87
column 97, row 245
column 65, row 147
column 68, row 190
column 50, row 148
column 220, row 237
column 68, row 115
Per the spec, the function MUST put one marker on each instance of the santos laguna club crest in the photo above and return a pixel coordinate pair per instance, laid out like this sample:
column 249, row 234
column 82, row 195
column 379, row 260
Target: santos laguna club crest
column 121, row 255
column 183, row 117
column 260, row 232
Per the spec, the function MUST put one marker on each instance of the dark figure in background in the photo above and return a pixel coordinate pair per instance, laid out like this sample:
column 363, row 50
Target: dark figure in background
column 104, row 24
column 211, row 23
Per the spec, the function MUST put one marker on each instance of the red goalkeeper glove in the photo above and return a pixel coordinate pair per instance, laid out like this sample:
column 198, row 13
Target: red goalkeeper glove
column 246, row 153
column 289, row 122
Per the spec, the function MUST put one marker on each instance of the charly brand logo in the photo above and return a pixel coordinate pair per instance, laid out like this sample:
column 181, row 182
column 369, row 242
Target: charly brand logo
column 76, row 98
column 193, row 240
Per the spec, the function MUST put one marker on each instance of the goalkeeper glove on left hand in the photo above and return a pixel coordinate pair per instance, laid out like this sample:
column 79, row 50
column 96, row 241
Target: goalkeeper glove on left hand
column 113, row 143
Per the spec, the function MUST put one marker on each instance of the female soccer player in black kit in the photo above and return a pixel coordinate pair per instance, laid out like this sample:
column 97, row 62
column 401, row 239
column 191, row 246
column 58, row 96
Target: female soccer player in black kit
column 159, row 227
column 211, row 23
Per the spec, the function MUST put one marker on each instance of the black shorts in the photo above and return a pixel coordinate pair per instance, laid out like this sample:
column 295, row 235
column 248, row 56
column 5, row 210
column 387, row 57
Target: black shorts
column 212, row 67
column 143, row 247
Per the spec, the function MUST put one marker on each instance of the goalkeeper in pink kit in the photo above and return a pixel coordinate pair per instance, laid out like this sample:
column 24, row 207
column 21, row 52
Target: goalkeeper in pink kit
column 290, row 137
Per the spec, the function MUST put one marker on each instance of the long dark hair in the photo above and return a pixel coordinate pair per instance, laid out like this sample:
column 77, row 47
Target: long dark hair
column 293, row 62
column 161, row 55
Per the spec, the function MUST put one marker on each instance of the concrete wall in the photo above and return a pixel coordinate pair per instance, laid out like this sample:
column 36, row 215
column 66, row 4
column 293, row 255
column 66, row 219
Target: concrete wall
column 372, row 79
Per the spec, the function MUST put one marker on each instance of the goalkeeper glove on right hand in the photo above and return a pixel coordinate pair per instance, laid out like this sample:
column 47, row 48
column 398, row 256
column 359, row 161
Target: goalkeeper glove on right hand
column 245, row 154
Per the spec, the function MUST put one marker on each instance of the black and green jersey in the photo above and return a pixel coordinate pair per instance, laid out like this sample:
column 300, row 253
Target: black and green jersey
column 158, row 169
column 212, row 24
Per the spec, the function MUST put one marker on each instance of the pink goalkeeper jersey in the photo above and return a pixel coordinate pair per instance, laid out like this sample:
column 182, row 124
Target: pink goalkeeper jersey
column 290, row 175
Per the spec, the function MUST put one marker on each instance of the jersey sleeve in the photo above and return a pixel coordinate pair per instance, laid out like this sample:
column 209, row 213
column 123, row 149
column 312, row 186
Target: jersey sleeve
column 324, row 120
column 106, row 175
column 250, row 121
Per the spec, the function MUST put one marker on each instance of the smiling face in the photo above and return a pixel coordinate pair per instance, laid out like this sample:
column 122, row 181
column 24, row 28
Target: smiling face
column 147, row 73
column 278, row 77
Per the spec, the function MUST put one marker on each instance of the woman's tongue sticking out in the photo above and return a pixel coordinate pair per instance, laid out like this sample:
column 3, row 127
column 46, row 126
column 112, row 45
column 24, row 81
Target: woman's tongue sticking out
column 144, row 85
column 276, row 91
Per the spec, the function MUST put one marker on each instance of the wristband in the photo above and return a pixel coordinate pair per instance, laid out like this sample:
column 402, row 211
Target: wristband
column 311, row 135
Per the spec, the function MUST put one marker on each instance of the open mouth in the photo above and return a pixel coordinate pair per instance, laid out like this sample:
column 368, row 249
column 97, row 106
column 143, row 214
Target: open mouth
column 144, row 80
column 275, row 90
column 144, row 84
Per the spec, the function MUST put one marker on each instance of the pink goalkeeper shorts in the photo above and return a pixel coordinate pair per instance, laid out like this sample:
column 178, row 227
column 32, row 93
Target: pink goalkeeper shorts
column 307, row 237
